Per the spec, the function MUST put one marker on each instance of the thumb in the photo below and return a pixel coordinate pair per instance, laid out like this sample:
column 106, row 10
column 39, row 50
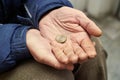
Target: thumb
column 89, row 26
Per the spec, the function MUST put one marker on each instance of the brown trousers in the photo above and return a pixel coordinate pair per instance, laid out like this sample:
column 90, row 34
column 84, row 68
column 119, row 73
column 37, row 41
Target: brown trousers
column 94, row 69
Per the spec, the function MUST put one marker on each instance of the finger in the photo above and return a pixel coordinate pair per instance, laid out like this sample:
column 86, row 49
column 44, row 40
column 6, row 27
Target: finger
column 60, row 55
column 68, row 50
column 58, row 52
column 80, row 52
column 89, row 25
column 70, row 67
column 53, row 62
column 46, row 57
column 88, row 47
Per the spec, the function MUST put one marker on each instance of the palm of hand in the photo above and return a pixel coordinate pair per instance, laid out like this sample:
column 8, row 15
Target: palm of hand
column 41, row 50
column 78, row 46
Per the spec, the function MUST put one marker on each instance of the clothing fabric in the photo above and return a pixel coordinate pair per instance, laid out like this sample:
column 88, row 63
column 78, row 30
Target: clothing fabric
column 16, row 18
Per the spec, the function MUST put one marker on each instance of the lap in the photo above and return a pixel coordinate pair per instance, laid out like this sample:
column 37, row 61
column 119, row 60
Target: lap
column 31, row 70
column 94, row 69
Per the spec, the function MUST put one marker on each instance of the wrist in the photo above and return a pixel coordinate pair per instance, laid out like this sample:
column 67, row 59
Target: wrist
column 31, row 39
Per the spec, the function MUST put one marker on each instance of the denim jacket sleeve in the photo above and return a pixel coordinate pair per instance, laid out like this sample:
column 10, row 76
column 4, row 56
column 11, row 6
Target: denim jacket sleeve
column 12, row 45
column 38, row 8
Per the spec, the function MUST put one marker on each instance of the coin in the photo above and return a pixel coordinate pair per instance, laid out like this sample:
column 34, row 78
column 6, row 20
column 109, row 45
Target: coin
column 61, row 38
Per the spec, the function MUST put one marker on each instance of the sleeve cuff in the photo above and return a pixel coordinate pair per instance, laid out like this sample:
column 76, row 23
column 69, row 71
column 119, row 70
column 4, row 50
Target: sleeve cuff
column 19, row 48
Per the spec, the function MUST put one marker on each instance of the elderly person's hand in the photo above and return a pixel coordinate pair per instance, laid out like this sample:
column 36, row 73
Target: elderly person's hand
column 40, row 49
column 77, row 27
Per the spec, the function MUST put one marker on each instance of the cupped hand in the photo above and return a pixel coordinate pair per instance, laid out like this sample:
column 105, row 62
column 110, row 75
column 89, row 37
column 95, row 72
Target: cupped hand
column 62, row 51
column 41, row 50
column 77, row 27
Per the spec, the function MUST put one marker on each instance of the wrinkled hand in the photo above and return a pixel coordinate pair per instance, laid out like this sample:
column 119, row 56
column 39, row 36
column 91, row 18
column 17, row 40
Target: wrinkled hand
column 41, row 50
column 75, row 25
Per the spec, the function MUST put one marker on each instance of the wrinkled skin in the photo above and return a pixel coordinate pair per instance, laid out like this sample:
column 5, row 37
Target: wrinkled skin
column 72, row 23
column 41, row 50
column 78, row 47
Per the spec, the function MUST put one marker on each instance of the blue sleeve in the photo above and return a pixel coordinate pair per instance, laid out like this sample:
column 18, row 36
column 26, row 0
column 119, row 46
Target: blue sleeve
column 12, row 45
column 38, row 8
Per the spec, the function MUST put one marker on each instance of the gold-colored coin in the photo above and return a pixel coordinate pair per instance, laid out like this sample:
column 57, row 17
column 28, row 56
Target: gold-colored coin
column 61, row 38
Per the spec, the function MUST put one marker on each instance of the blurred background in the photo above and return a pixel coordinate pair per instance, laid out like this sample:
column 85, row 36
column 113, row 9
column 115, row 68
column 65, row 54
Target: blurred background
column 106, row 14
